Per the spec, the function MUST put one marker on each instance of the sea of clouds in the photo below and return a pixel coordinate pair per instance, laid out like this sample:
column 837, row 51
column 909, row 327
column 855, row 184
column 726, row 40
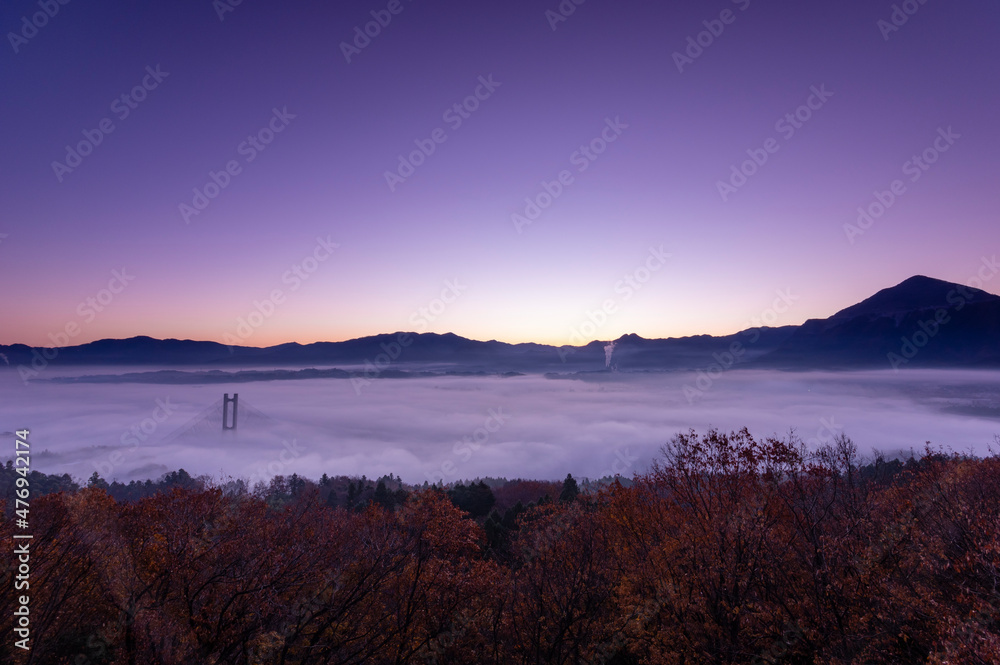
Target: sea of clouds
column 450, row 428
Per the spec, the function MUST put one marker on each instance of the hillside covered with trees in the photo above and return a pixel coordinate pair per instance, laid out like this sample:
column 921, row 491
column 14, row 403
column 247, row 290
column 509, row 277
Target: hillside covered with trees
column 729, row 550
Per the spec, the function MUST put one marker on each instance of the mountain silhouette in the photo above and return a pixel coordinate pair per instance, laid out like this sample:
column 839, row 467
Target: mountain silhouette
column 921, row 321
column 914, row 294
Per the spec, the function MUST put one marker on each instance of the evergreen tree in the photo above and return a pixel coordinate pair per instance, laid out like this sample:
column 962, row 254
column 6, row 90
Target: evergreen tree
column 97, row 481
column 570, row 489
column 296, row 484
column 476, row 499
column 382, row 496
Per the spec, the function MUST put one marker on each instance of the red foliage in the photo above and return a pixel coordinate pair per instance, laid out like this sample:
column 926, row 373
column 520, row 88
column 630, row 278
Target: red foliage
column 730, row 550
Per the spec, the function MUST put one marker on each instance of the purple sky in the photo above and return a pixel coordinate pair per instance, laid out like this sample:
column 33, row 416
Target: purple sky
column 445, row 232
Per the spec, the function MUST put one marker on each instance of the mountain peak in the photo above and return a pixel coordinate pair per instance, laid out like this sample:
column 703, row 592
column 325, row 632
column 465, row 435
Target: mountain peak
column 916, row 293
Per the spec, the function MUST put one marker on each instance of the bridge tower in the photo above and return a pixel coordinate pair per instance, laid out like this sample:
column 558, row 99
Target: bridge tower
column 226, row 401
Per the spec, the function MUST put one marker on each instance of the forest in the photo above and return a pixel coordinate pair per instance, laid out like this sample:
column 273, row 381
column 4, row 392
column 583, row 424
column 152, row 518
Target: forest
column 727, row 550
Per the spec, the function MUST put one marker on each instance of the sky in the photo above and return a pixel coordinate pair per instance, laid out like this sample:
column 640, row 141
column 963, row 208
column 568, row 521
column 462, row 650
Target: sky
column 175, row 169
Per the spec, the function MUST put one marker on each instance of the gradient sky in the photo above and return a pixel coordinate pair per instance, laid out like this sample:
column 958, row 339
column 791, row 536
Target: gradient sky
column 324, row 174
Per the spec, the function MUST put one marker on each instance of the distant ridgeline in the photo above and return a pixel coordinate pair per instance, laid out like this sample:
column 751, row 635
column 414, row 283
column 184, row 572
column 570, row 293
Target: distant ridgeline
column 921, row 322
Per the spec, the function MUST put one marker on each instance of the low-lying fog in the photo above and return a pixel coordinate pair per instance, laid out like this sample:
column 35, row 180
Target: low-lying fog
column 458, row 428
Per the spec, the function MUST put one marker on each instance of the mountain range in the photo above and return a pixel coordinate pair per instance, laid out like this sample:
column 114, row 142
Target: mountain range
column 921, row 322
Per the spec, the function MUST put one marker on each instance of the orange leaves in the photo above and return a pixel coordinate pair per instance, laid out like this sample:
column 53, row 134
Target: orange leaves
column 731, row 551
column 434, row 518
